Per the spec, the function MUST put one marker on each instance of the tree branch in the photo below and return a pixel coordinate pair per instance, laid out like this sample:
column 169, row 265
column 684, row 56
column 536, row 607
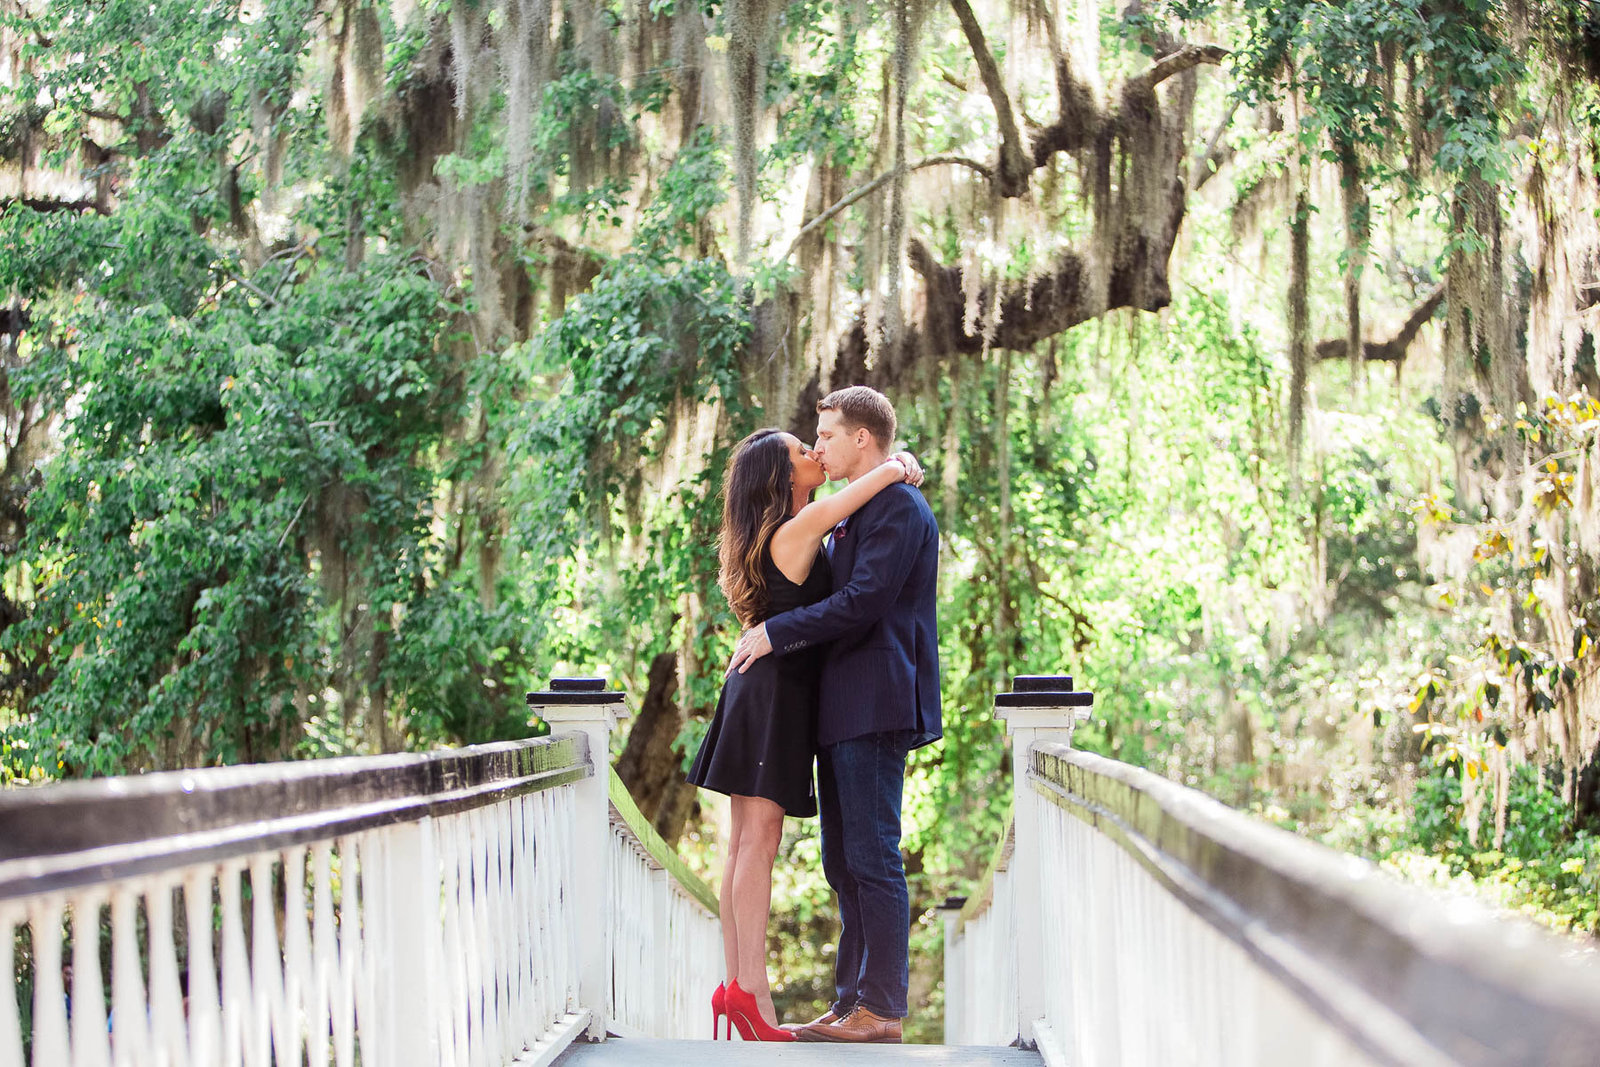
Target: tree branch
column 1394, row 349
column 1077, row 125
column 1031, row 309
column 45, row 204
column 1014, row 167
column 1208, row 162
column 584, row 263
column 877, row 183
column 1186, row 58
column 1080, row 122
column 1122, row 263
column 271, row 301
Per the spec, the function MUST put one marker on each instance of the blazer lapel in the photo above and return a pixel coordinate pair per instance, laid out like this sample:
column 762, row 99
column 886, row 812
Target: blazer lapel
column 843, row 559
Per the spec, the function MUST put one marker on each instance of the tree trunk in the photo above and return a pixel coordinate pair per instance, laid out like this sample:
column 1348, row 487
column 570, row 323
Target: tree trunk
column 649, row 766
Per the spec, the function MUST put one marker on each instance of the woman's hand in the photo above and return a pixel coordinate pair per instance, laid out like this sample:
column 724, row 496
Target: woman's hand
column 908, row 462
column 806, row 531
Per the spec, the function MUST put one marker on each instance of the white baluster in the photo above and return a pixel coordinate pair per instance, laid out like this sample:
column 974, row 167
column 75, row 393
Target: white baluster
column 641, row 964
column 573, row 910
column 649, row 959
column 50, row 1045
column 371, row 950
column 299, row 980
column 351, row 920
column 91, row 1041
column 500, row 1011
column 616, row 1005
column 372, row 995
column 169, row 1035
column 504, row 936
column 624, row 941
column 457, row 855
column 676, row 970
column 624, row 933
column 266, row 974
column 453, row 1042
column 475, row 937
column 950, row 912
column 541, row 961
column 522, row 921
column 407, row 928
column 424, row 949
column 130, row 1009
column 558, row 863
column 10, row 1020
column 1053, row 845
column 472, row 938
column 480, row 970
column 324, row 957
column 543, row 947
column 236, row 994
column 627, row 933
column 205, row 999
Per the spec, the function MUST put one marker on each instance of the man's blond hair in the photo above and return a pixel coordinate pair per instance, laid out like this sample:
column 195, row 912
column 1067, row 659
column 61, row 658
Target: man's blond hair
column 859, row 406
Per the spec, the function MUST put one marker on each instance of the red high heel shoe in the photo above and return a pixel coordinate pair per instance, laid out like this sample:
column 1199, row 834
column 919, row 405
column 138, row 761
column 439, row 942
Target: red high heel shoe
column 719, row 1009
column 743, row 1013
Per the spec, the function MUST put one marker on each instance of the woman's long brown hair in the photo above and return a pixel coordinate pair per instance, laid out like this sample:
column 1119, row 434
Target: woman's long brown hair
column 756, row 494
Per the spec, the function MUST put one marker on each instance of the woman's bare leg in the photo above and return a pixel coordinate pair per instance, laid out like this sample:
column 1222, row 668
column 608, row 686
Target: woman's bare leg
column 730, row 931
column 760, row 831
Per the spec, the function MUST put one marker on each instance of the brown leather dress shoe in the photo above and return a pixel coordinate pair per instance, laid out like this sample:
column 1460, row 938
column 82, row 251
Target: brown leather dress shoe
column 827, row 1018
column 860, row 1026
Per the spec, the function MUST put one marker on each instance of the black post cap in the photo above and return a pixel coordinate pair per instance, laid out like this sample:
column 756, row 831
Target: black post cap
column 575, row 691
column 952, row 904
column 1043, row 691
column 577, row 685
column 1042, row 683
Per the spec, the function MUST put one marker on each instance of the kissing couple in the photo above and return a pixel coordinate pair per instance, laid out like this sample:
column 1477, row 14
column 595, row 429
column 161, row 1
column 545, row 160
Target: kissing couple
column 838, row 664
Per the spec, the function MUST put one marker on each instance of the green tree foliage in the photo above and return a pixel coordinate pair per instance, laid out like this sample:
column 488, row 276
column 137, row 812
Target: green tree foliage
column 237, row 468
column 1544, row 866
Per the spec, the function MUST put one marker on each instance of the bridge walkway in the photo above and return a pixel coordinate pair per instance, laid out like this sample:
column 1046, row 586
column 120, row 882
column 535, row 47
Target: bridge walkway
column 655, row 1052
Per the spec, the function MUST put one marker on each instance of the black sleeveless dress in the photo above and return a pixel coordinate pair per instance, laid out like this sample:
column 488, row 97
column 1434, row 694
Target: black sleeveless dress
column 764, row 735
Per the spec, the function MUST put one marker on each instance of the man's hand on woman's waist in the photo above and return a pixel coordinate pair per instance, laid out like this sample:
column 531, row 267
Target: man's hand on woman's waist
column 753, row 644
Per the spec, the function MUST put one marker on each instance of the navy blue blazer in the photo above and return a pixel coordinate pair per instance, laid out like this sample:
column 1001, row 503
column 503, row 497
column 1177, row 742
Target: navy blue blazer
column 881, row 670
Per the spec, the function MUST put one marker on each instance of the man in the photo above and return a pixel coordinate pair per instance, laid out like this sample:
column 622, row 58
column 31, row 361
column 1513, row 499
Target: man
column 879, row 700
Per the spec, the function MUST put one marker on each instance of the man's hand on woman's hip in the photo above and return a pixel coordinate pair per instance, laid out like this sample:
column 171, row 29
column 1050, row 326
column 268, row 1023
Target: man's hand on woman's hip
column 753, row 644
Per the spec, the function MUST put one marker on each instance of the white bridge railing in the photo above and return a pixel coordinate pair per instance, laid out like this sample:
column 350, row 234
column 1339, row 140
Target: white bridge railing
column 447, row 908
column 667, row 947
column 1132, row 921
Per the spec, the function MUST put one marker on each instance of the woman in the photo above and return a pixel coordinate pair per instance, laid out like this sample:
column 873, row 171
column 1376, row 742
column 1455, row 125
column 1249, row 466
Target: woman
column 762, row 739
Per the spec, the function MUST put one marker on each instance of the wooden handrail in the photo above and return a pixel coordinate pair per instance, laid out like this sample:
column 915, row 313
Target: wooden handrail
column 77, row 834
column 1407, row 975
column 652, row 844
column 981, row 897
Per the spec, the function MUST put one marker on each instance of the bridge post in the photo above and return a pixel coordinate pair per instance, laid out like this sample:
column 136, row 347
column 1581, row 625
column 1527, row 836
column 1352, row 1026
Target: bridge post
column 1040, row 707
column 586, row 706
column 950, row 911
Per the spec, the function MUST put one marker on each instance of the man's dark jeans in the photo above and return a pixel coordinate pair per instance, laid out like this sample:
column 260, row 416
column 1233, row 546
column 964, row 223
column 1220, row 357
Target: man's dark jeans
column 859, row 784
